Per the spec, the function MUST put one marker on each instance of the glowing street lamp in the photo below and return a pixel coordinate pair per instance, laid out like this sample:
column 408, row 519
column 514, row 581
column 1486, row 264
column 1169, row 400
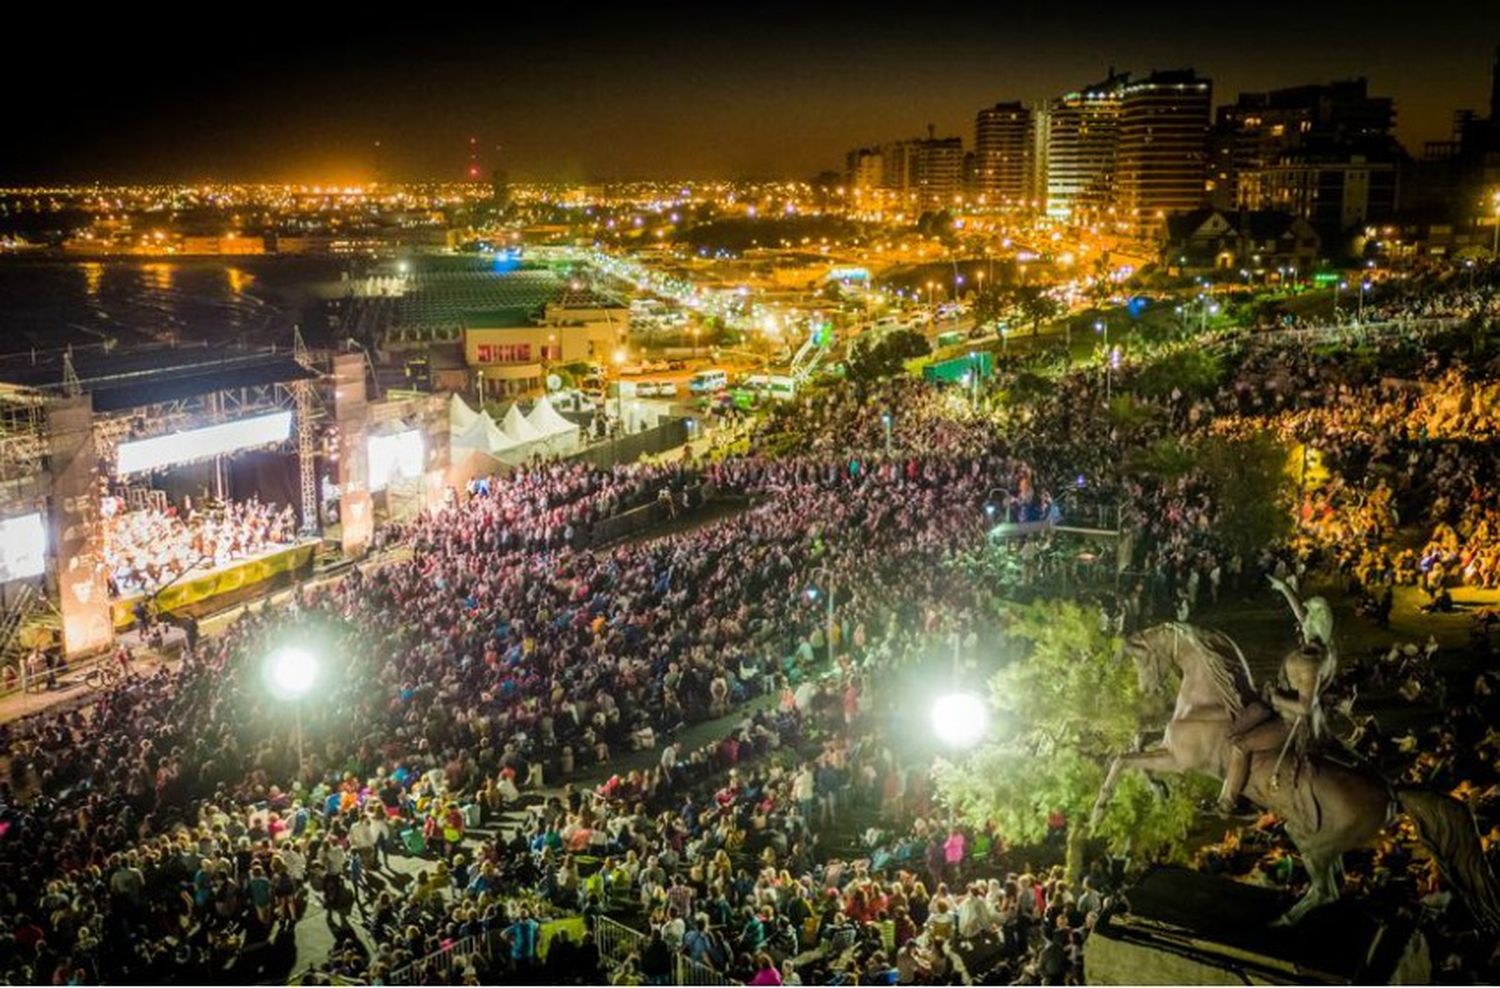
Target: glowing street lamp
column 959, row 719
column 290, row 674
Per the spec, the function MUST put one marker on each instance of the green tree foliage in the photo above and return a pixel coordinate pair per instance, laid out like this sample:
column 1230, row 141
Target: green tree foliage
column 1036, row 306
column 1192, row 370
column 870, row 359
column 1252, row 485
column 1165, row 458
column 989, row 305
column 1063, row 709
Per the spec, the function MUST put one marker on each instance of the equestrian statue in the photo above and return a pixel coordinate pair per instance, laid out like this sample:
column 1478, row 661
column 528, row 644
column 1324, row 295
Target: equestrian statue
column 1271, row 750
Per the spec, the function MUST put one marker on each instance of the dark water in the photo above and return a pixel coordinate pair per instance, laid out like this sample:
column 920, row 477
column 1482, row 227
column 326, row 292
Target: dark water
column 52, row 303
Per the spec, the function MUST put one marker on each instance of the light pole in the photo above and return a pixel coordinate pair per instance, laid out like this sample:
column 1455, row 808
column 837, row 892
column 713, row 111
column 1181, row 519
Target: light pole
column 885, row 420
column 1337, row 288
column 291, row 673
column 1364, row 286
column 1208, row 308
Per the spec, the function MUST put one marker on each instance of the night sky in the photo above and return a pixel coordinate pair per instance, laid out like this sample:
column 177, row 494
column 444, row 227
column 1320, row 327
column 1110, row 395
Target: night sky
column 716, row 91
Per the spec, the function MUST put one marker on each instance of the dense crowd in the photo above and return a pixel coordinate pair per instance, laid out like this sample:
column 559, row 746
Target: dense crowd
column 178, row 827
column 148, row 548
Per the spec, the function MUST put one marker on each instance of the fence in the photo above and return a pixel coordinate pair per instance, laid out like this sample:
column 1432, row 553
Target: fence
column 690, row 972
column 615, row 940
column 631, row 447
column 443, row 964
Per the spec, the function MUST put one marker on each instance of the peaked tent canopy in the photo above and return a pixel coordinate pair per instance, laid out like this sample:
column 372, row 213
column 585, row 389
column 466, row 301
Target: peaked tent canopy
column 460, row 416
column 518, row 428
column 547, row 420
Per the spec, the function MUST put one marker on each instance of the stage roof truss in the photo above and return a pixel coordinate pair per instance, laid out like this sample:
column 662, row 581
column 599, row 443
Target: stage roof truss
column 195, row 412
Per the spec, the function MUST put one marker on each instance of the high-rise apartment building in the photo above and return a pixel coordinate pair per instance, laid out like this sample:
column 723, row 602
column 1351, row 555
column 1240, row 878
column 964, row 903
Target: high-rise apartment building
column 863, row 174
column 919, row 174
column 1161, row 164
column 1259, row 128
column 1037, row 142
column 1082, row 130
column 1001, row 155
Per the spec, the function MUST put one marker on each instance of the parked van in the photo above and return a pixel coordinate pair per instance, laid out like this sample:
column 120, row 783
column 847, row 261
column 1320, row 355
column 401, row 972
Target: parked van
column 708, row 381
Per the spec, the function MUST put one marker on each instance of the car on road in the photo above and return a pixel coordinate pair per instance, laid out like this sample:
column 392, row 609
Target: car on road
column 666, row 389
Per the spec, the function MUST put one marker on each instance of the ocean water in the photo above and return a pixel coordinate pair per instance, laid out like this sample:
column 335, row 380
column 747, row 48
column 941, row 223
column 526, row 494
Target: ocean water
column 46, row 303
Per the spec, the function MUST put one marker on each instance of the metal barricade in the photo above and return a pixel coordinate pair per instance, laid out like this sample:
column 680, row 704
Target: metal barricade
column 690, row 972
column 615, row 940
column 443, row 963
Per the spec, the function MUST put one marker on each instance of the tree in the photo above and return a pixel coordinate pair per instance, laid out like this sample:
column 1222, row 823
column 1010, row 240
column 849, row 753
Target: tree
column 870, row 359
column 988, row 306
column 1194, row 371
column 1252, row 480
column 1036, row 306
column 1064, row 708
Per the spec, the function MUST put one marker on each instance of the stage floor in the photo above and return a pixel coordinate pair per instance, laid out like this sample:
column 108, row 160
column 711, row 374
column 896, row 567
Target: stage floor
column 200, row 586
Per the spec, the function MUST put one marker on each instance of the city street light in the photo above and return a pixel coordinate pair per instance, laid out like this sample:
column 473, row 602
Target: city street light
column 959, row 719
column 885, row 420
column 290, row 674
column 1337, row 288
column 1364, row 286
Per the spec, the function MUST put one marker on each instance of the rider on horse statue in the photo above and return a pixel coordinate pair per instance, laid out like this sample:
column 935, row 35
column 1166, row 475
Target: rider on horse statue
column 1294, row 718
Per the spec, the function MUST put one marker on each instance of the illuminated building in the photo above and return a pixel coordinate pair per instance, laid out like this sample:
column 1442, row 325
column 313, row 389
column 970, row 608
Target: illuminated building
column 1002, row 153
column 1161, row 163
column 1082, row 129
column 1258, row 128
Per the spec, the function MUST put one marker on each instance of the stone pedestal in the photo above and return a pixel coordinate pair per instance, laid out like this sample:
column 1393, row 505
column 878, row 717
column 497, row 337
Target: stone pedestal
column 1186, row 927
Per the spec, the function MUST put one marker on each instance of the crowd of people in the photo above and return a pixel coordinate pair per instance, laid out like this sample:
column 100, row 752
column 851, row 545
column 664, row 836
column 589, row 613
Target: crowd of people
column 179, row 827
column 146, row 548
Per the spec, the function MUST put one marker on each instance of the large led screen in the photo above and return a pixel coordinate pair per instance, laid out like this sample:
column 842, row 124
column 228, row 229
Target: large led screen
column 199, row 444
column 395, row 457
column 23, row 546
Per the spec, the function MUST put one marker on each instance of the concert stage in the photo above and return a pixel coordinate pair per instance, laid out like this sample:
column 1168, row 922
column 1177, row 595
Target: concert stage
column 203, row 586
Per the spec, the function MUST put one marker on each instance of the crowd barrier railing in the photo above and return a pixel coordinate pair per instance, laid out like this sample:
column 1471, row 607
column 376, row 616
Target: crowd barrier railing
column 615, row 940
column 690, row 972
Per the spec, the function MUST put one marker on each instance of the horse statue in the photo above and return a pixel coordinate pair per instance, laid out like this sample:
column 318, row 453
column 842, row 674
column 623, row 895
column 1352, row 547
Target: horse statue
column 1329, row 804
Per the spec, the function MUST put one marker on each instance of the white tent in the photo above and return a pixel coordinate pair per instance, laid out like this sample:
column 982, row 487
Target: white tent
column 460, row 416
column 558, row 434
column 547, row 420
column 496, row 441
column 517, row 427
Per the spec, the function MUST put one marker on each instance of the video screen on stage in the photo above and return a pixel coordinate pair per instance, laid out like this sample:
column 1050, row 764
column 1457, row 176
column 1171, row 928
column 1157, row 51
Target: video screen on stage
column 197, row 444
column 395, row 457
column 23, row 547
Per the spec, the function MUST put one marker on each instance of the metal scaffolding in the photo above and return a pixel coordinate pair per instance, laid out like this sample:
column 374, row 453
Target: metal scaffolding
column 306, row 438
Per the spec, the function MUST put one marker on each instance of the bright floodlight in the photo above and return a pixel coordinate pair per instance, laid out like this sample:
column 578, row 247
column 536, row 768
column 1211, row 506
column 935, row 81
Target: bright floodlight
column 959, row 719
column 291, row 672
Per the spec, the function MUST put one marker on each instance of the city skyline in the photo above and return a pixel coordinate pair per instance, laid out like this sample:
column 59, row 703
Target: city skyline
column 655, row 94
